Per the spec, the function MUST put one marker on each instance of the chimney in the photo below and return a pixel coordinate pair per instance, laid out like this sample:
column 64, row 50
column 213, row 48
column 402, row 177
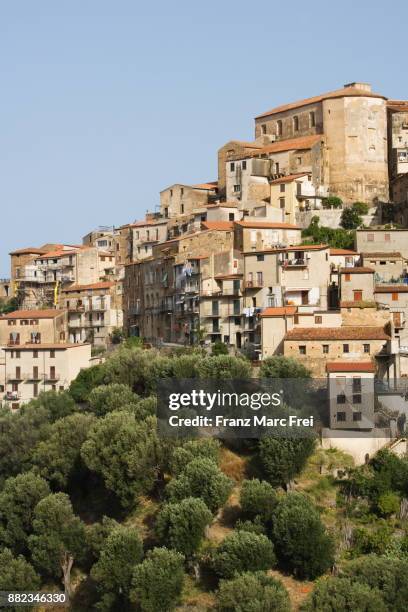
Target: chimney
column 355, row 85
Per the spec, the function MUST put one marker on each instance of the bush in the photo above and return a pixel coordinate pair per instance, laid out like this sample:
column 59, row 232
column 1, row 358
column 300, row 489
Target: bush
column 389, row 503
column 350, row 219
column 194, row 449
column 283, row 367
column 203, row 479
column 301, row 542
column 219, row 348
column 243, row 551
column 251, row 592
column 332, row 202
column 224, row 366
column 283, row 458
column 387, row 575
column 158, row 581
column 182, row 525
column 343, row 595
column 86, row 380
column 258, row 498
column 361, row 208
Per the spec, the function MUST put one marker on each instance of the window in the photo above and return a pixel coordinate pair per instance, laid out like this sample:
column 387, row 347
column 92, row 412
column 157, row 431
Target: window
column 279, row 128
column 394, row 296
column 295, row 123
column 302, row 349
column 181, row 191
column 370, row 237
column 318, row 320
column 232, row 166
column 259, row 279
column 35, row 389
column 182, row 209
column 237, row 307
column 277, row 168
column 341, row 398
column 356, row 398
column 341, row 417
column 52, row 354
column 356, row 416
column 282, row 187
column 296, row 319
column 346, row 348
column 263, row 128
column 347, row 277
column 260, row 257
column 387, row 237
column 312, row 119
column 358, row 295
column 244, row 165
column 237, row 320
column 282, row 203
column 230, row 217
column 325, row 349
column 366, row 348
column 298, row 161
column 237, row 188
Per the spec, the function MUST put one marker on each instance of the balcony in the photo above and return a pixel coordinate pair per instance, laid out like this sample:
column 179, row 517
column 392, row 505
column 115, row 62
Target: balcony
column 294, row 263
column 51, row 377
column 11, row 396
column 76, row 308
column 33, row 376
column 253, row 284
column 17, row 377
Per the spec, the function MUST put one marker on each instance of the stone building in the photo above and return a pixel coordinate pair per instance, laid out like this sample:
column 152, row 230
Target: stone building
column 33, row 327
column 352, row 123
column 397, row 137
column 351, row 394
column 383, row 240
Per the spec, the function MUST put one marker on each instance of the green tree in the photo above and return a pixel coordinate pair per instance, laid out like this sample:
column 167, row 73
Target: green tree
column 224, row 367
column 203, row 479
column 113, row 571
column 57, row 405
column 58, row 538
column 283, row 367
column 243, row 551
column 258, row 498
column 252, row 592
column 389, row 503
column 107, row 398
column 16, row 574
column 301, row 542
column 58, row 457
column 18, row 499
column 343, row 595
column 332, row 202
column 350, row 219
column 131, row 367
column 181, row 525
column 87, row 379
column 219, row 348
column 158, row 581
column 125, row 452
column 193, row 449
column 361, row 208
column 96, row 535
column 282, row 459
column 389, row 576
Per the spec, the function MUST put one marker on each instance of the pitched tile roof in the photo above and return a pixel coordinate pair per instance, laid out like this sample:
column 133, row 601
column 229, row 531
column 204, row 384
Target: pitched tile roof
column 47, row 313
column 338, row 93
column 350, row 366
column 392, row 255
column 398, row 105
column 29, row 251
column 357, row 270
column 217, row 225
column 279, row 311
column 289, row 178
column 294, row 144
column 391, row 289
column 342, row 252
column 207, row 186
column 266, row 225
column 337, row 333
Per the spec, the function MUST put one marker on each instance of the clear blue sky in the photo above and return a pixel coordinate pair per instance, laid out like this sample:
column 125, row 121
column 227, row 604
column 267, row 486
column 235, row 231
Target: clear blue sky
column 103, row 104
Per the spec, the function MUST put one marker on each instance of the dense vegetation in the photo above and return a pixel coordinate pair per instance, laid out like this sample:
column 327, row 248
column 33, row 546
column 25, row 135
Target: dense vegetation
column 93, row 501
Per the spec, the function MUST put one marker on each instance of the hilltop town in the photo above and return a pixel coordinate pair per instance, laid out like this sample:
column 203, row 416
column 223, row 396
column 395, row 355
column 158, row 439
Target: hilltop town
column 299, row 248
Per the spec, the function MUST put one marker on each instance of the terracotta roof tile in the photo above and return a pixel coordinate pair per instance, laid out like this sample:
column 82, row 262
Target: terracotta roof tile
column 337, row 333
column 279, row 311
column 303, row 142
column 217, row 225
column 101, row 285
column 266, row 225
column 211, row 185
column 391, row 289
column 289, row 178
column 342, row 252
column 48, row 313
column 338, row 93
column 350, row 366
column 29, row 251
column 391, row 255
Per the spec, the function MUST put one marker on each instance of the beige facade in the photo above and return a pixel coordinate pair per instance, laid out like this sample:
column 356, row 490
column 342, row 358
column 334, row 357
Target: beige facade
column 178, row 200
column 292, row 194
column 33, row 327
column 356, row 285
column 33, row 368
column 94, row 311
column 383, row 241
column 353, row 123
column 145, row 234
column 387, row 266
column 351, row 395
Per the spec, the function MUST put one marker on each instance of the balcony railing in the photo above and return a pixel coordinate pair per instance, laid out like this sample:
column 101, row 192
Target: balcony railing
column 17, row 376
column 49, row 377
column 294, row 263
column 254, row 284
